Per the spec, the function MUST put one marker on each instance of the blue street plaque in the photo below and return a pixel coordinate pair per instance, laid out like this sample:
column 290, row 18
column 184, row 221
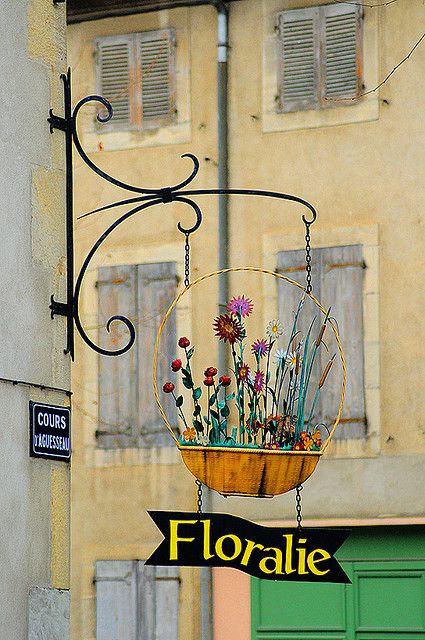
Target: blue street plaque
column 50, row 432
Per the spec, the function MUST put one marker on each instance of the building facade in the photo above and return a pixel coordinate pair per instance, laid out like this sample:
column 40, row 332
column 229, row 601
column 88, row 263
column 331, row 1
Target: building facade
column 324, row 133
column 35, row 494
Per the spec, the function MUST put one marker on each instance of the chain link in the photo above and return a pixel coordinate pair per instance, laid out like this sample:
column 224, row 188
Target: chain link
column 186, row 260
column 298, row 506
column 309, row 286
column 199, row 485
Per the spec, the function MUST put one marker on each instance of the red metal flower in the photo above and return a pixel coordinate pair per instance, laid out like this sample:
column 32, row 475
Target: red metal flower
column 176, row 364
column 227, row 328
column 243, row 372
column 258, row 381
column 225, row 381
column 260, row 347
column 184, row 342
column 168, row 387
column 208, row 381
column 210, row 372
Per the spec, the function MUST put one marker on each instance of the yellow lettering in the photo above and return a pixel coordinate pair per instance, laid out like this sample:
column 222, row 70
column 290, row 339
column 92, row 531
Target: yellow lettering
column 174, row 539
column 288, row 553
column 250, row 546
column 277, row 559
column 219, row 547
column 301, row 557
column 207, row 539
column 311, row 562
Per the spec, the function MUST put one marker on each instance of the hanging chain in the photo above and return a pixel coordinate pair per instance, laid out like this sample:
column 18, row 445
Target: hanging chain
column 298, row 506
column 309, row 286
column 199, row 485
column 186, row 260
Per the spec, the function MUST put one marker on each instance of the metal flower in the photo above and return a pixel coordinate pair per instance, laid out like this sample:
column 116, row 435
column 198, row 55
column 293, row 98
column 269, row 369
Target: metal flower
column 279, row 357
column 274, row 329
column 260, row 347
column 259, row 381
column 239, row 305
column 243, row 372
column 227, row 328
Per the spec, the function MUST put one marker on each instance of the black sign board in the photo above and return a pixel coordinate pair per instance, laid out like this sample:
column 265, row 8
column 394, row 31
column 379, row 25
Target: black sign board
column 222, row 540
column 50, row 431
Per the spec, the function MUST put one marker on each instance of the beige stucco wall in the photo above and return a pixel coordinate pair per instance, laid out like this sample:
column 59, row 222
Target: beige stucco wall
column 362, row 173
column 35, row 496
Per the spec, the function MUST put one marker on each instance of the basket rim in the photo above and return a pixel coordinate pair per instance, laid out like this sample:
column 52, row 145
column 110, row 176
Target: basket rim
column 276, row 275
column 185, row 447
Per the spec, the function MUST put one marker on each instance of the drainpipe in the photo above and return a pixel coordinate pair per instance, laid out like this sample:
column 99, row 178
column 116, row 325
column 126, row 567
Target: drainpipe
column 223, row 170
column 206, row 592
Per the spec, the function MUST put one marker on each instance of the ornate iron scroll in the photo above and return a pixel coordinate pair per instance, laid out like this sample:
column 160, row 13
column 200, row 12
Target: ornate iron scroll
column 146, row 198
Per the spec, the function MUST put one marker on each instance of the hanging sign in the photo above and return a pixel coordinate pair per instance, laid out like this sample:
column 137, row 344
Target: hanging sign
column 222, row 540
column 50, row 428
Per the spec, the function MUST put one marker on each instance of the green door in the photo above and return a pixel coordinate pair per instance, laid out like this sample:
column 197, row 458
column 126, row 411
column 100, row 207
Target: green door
column 386, row 600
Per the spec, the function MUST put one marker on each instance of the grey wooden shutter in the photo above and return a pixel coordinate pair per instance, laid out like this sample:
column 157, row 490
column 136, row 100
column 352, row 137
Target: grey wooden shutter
column 320, row 56
column 116, row 600
column 337, row 282
column 157, row 63
column 342, row 275
column 117, row 374
column 298, row 59
column 156, row 290
column 115, row 77
column 158, row 617
column 342, row 62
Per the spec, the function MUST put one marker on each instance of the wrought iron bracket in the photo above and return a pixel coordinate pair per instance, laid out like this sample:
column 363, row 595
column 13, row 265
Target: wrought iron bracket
column 143, row 199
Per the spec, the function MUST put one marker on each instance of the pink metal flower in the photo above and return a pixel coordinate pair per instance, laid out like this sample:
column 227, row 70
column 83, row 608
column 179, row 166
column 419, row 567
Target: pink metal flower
column 258, row 381
column 227, row 328
column 260, row 348
column 239, row 305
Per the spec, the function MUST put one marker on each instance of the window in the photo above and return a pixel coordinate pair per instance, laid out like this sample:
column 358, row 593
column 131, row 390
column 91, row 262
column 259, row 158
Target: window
column 338, row 274
column 136, row 73
column 136, row 602
column 320, row 57
column 128, row 415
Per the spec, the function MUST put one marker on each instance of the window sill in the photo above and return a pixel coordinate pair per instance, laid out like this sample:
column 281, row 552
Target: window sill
column 94, row 141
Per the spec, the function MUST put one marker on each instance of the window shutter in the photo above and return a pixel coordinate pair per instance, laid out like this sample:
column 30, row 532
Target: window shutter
column 159, row 602
column 337, row 274
column 157, row 60
column 342, row 65
column 114, row 77
column 342, row 274
column 117, row 375
column 116, row 600
column 298, row 59
column 156, row 290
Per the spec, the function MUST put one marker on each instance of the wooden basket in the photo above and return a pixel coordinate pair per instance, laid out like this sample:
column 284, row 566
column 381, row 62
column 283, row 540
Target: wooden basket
column 248, row 471
column 261, row 473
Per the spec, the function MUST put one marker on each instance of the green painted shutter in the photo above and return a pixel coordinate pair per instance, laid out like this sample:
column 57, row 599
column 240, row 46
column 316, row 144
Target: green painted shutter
column 337, row 277
column 156, row 290
column 117, row 374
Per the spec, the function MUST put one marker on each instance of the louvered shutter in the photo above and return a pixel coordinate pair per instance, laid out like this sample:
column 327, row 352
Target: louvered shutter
column 157, row 63
column 337, row 282
column 158, row 602
column 298, row 59
column 156, row 290
column 117, row 375
column 116, row 600
column 320, row 56
column 115, row 78
column 341, row 63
